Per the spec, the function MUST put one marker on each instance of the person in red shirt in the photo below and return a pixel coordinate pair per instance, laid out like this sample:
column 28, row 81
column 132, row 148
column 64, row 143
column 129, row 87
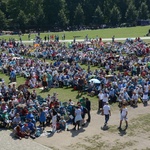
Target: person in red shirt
column 24, row 111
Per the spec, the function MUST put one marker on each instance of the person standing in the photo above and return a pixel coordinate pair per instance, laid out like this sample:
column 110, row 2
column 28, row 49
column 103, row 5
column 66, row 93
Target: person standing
column 100, row 101
column 49, row 78
column 29, row 36
column 88, row 107
column 12, row 76
column 54, row 120
column 78, row 117
column 123, row 116
column 106, row 112
column 80, row 85
column 42, row 118
column 44, row 81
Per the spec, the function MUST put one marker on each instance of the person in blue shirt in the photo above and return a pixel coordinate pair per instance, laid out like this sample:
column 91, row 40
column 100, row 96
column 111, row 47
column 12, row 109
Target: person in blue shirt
column 30, row 116
column 25, row 129
column 112, row 95
column 12, row 76
column 31, row 126
column 50, row 79
column 42, row 117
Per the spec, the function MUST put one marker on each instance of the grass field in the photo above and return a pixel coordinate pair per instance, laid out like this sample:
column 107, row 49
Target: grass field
column 138, row 31
column 64, row 94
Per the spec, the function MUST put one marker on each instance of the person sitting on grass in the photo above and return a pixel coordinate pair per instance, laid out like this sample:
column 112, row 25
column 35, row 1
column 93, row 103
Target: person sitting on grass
column 18, row 133
column 31, row 126
column 17, row 120
column 5, row 118
column 31, row 117
column 25, row 129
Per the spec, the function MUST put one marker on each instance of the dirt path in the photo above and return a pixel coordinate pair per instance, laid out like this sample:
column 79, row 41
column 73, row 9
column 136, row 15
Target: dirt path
column 8, row 143
column 92, row 137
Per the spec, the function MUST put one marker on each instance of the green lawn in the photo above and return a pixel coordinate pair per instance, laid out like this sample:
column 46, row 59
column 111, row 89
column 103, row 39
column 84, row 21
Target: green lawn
column 138, row 31
column 64, row 94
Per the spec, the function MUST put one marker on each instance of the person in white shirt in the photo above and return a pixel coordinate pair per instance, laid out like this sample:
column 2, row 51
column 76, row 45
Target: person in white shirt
column 145, row 94
column 106, row 112
column 123, row 116
column 100, row 101
column 134, row 99
column 105, row 98
column 78, row 117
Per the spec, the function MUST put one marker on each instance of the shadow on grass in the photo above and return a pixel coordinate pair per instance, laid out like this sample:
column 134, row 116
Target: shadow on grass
column 45, row 90
column 122, row 132
column 79, row 96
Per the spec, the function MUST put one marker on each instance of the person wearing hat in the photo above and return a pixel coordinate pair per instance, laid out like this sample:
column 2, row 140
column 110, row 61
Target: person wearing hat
column 106, row 112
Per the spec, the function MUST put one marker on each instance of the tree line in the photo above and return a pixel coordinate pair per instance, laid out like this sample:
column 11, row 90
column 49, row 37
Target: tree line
column 49, row 14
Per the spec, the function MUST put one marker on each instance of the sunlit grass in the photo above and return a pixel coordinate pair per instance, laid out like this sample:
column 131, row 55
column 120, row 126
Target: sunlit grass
column 126, row 32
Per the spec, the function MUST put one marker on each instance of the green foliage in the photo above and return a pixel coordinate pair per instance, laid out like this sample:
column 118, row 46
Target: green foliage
column 131, row 14
column 98, row 15
column 127, row 32
column 143, row 11
column 48, row 14
column 2, row 20
column 115, row 16
column 79, row 15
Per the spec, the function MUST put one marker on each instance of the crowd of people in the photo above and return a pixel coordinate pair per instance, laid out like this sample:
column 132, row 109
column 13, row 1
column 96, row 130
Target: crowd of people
column 122, row 75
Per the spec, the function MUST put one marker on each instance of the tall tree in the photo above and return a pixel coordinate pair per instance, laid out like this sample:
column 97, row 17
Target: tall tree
column 52, row 9
column 115, row 16
column 88, row 8
column 123, row 5
column 106, row 9
column 79, row 15
column 131, row 14
column 2, row 21
column 63, row 20
column 98, row 16
column 143, row 11
column 22, row 20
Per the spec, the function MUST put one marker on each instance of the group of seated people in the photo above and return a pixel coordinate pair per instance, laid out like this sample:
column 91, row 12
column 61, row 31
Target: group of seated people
column 28, row 114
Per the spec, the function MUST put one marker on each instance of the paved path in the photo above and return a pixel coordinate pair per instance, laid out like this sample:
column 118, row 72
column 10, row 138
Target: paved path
column 8, row 143
column 104, row 39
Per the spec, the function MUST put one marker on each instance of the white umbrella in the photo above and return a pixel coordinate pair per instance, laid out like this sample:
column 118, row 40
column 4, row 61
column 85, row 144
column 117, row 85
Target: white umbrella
column 13, row 83
column 95, row 81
